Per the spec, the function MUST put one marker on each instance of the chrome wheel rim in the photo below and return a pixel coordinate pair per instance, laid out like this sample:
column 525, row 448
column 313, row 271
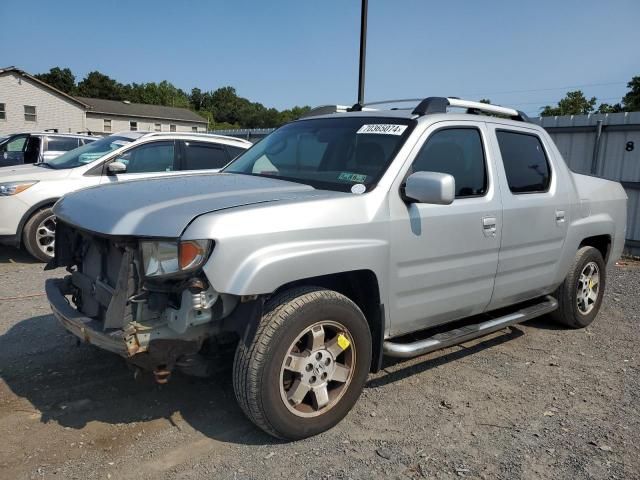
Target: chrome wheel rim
column 317, row 369
column 46, row 235
column 588, row 288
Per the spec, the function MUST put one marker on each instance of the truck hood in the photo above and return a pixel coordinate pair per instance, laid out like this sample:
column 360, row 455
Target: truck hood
column 17, row 173
column 164, row 206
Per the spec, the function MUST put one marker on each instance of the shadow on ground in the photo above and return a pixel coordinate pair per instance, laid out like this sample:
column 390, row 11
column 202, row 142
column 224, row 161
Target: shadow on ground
column 75, row 384
column 15, row 255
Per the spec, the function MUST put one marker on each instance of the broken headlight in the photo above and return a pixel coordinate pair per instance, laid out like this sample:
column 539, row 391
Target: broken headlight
column 166, row 257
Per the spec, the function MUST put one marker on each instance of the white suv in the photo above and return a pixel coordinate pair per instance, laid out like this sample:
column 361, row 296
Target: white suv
column 27, row 192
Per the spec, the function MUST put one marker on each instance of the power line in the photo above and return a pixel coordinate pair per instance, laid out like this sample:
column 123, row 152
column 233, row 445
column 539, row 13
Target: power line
column 547, row 102
column 547, row 89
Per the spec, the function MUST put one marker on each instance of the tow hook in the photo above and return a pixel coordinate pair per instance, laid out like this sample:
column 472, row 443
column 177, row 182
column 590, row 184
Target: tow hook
column 162, row 374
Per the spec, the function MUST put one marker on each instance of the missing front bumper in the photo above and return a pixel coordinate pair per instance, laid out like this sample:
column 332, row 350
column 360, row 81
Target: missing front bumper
column 87, row 329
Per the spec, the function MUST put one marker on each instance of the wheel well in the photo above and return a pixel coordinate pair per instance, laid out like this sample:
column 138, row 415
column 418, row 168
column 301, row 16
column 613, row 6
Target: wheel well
column 35, row 208
column 600, row 242
column 361, row 287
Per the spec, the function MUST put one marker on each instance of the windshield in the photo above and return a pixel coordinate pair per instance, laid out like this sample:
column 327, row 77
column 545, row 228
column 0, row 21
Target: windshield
column 88, row 153
column 344, row 154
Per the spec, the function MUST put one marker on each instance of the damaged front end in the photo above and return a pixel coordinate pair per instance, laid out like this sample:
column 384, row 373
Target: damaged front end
column 132, row 297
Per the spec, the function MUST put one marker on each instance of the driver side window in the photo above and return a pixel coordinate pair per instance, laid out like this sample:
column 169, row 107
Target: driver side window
column 16, row 145
column 458, row 152
column 150, row 158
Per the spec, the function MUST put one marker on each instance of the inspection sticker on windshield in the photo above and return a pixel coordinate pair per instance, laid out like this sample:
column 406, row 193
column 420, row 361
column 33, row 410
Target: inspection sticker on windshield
column 352, row 177
column 383, row 129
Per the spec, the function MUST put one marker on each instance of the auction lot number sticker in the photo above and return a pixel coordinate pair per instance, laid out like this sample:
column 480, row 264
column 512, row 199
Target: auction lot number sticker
column 383, row 129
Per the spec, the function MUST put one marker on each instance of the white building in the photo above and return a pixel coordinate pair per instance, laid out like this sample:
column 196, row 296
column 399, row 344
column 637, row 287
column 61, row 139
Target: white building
column 28, row 104
column 109, row 116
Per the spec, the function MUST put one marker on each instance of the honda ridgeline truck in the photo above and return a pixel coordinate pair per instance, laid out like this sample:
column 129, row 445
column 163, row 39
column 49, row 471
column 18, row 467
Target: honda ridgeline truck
column 336, row 240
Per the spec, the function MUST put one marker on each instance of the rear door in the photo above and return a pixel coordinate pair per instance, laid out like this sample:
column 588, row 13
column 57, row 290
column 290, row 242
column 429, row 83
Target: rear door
column 534, row 216
column 195, row 155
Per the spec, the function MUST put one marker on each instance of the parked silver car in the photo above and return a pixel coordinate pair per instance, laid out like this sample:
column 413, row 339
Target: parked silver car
column 27, row 192
column 335, row 240
column 34, row 147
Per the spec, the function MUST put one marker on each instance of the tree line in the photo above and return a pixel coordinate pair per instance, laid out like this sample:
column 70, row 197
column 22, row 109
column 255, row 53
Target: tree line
column 576, row 103
column 223, row 108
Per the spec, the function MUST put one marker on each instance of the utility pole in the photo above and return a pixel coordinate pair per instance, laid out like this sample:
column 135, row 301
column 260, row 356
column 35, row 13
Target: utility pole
column 363, row 49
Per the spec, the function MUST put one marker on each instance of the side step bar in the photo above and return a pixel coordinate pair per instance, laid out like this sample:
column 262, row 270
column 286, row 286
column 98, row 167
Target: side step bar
column 468, row 332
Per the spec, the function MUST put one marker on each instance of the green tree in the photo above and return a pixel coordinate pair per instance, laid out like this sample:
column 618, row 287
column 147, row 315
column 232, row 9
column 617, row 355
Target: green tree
column 60, row 78
column 606, row 108
column 98, row 85
column 574, row 103
column 163, row 93
column 631, row 100
column 196, row 99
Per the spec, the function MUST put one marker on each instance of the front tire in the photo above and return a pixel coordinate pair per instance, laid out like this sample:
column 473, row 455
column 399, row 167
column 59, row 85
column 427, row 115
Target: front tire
column 39, row 235
column 580, row 295
column 306, row 365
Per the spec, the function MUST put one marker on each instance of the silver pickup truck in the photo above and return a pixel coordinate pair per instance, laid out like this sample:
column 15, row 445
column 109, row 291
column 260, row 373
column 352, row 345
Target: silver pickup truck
column 336, row 240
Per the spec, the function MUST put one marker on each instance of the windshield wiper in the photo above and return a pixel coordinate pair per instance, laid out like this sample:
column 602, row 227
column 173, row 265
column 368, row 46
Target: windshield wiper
column 43, row 164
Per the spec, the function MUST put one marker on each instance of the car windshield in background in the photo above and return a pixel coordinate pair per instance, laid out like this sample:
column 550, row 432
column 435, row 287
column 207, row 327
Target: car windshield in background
column 88, row 153
column 347, row 154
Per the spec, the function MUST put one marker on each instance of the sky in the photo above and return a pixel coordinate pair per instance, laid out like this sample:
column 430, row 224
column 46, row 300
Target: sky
column 523, row 54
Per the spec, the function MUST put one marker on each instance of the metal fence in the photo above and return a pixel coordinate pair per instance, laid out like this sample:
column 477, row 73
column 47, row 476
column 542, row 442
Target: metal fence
column 607, row 146
column 251, row 134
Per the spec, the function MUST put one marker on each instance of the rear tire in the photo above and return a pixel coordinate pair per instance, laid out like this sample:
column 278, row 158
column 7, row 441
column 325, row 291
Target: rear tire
column 580, row 295
column 39, row 235
column 306, row 365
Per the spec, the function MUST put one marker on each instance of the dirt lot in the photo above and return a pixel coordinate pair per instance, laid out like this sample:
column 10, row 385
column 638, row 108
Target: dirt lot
column 534, row 401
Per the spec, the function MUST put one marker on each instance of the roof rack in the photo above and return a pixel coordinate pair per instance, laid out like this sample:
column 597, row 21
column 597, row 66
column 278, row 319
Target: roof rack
column 440, row 104
column 328, row 109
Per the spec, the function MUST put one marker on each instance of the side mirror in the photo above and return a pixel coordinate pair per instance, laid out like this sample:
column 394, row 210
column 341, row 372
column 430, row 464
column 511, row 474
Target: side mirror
column 116, row 167
column 430, row 187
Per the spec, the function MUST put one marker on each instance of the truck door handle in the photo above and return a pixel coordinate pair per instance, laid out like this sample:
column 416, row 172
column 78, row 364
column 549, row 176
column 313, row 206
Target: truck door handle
column 560, row 217
column 489, row 226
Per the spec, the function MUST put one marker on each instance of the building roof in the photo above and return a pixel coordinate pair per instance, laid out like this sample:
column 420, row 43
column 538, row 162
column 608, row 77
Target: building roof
column 128, row 109
column 43, row 84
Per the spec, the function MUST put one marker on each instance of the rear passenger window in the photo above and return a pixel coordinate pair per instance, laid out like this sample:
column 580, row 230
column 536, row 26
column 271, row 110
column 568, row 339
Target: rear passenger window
column 234, row 151
column 458, row 152
column 525, row 162
column 61, row 144
column 200, row 156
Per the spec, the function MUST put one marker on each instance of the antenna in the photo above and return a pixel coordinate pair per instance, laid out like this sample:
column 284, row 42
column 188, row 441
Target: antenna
column 363, row 50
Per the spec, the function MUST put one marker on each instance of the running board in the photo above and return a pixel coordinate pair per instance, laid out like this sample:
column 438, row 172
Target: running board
column 468, row 332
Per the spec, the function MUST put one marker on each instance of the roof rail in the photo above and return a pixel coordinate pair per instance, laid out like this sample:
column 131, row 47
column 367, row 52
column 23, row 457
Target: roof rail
column 440, row 104
column 328, row 109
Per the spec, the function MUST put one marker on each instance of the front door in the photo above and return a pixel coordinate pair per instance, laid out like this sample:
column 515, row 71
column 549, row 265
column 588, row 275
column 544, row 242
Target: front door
column 146, row 160
column 444, row 257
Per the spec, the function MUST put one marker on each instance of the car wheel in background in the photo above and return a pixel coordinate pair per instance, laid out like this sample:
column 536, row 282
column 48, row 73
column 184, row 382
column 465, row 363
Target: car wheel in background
column 39, row 235
column 580, row 295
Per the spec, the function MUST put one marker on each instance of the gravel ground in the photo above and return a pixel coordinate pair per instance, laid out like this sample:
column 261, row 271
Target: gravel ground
column 533, row 401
